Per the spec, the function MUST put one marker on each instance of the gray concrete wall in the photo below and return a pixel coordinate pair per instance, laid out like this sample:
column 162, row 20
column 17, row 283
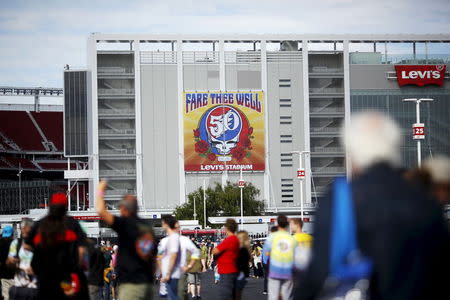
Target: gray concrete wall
column 160, row 136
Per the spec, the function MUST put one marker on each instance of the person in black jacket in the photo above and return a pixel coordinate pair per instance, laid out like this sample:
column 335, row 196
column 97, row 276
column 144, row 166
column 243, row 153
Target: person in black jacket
column 59, row 259
column 399, row 227
column 97, row 266
column 243, row 261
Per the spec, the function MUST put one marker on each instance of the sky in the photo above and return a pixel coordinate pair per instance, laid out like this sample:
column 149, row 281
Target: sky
column 37, row 38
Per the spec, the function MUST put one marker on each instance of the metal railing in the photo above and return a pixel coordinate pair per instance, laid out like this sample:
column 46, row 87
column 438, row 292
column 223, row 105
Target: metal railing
column 325, row 129
column 115, row 71
column 318, row 110
column 30, row 91
column 111, row 111
column 117, row 151
column 325, row 69
column 327, row 149
column 117, row 172
column 120, row 192
column 284, row 56
column 242, row 57
column 158, row 57
column 117, row 131
column 107, row 92
column 328, row 169
column 326, row 90
column 201, row 57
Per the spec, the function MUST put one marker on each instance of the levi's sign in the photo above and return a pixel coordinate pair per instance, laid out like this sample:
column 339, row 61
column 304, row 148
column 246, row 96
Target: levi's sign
column 420, row 74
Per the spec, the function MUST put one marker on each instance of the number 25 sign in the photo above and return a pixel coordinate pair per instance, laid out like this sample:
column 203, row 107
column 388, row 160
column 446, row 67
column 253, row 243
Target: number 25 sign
column 418, row 131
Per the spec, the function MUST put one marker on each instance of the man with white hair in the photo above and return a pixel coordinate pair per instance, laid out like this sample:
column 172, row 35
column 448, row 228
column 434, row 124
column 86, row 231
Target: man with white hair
column 398, row 227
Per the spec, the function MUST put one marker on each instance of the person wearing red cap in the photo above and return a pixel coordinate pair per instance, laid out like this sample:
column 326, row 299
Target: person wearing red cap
column 58, row 243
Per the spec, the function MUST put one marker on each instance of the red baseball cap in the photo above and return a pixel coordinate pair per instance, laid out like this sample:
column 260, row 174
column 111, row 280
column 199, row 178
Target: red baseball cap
column 58, row 199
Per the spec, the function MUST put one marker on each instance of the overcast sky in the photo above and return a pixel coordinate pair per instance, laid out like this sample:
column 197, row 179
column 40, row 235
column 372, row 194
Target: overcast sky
column 37, row 38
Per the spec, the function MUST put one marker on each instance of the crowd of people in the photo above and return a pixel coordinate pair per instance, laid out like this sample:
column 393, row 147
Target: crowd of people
column 380, row 234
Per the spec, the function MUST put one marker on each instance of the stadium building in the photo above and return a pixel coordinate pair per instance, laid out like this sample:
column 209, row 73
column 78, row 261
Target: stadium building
column 161, row 115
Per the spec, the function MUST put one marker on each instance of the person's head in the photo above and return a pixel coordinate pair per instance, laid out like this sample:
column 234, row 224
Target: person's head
column 25, row 227
column 282, row 222
column 58, row 205
column 177, row 226
column 7, row 232
column 296, row 225
column 115, row 248
column 371, row 138
column 244, row 240
column 273, row 229
column 168, row 223
column 128, row 206
column 231, row 226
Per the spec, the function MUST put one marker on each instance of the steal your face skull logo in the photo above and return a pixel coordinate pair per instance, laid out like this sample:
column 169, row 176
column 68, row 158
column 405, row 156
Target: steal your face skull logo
column 223, row 125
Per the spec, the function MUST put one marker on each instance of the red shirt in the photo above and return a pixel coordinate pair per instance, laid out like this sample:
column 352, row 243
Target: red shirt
column 229, row 250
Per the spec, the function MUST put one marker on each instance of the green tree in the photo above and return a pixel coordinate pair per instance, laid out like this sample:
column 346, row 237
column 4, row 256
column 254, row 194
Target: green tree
column 220, row 201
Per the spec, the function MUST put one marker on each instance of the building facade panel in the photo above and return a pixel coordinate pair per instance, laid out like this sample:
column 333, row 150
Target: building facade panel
column 336, row 80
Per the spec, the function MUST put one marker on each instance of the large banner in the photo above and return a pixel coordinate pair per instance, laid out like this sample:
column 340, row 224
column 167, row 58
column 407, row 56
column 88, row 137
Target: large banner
column 223, row 130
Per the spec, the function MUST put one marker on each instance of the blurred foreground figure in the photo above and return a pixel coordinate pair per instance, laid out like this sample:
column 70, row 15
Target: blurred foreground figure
column 398, row 227
column 59, row 259
column 135, row 259
column 439, row 169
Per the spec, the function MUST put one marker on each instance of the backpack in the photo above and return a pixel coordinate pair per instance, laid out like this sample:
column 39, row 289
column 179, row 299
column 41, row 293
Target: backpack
column 145, row 243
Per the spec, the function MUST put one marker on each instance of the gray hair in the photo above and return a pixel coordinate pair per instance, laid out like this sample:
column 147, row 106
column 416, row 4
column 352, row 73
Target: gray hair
column 26, row 222
column 371, row 138
column 129, row 202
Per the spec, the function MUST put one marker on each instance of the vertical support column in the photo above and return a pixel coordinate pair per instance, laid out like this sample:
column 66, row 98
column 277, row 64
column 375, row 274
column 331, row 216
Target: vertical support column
column 36, row 101
column 306, row 120
column 78, row 196
column 267, row 177
column 180, row 86
column 385, row 53
column 93, row 133
column 419, row 149
column 222, row 65
column 138, row 122
column 222, row 85
column 347, row 98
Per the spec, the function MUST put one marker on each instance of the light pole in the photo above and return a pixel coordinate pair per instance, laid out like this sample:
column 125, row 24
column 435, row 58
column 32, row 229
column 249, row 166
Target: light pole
column 418, row 128
column 20, row 188
column 241, row 186
column 204, row 203
column 195, row 211
column 301, row 173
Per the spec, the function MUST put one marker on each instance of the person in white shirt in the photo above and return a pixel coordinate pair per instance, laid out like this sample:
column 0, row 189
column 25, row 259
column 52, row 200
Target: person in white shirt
column 171, row 258
column 187, row 246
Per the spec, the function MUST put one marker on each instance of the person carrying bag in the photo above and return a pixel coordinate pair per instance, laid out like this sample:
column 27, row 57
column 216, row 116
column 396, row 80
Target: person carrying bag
column 349, row 270
column 19, row 260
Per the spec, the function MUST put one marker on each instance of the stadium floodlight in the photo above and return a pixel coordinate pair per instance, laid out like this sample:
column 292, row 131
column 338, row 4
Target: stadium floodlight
column 418, row 128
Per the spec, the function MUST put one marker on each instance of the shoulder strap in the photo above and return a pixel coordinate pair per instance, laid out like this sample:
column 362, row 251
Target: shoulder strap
column 343, row 228
column 343, row 236
column 18, row 246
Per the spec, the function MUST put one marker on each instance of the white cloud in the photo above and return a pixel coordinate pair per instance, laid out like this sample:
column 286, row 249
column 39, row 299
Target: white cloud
column 38, row 37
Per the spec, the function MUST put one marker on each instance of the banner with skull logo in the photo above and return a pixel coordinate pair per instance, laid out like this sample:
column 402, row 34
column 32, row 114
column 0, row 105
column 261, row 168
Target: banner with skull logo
column 224, row 130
